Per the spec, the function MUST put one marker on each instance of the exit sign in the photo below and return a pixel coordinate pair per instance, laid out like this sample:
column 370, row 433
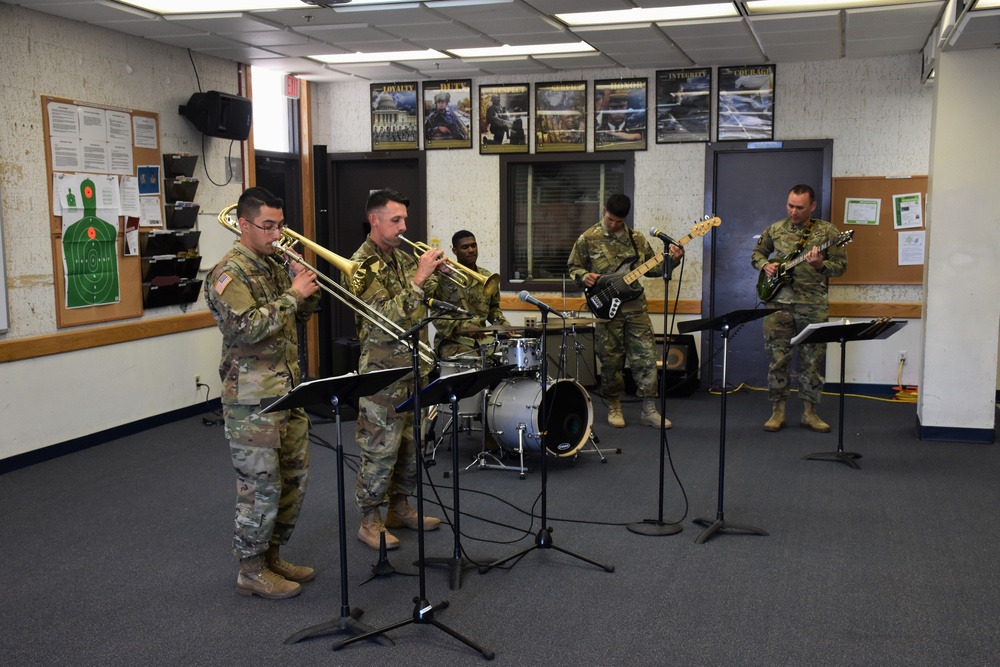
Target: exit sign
column 291, row 86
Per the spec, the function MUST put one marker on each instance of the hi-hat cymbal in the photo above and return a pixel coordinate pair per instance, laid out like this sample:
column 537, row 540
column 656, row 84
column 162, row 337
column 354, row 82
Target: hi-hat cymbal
column 570, row 322
column 494, row 328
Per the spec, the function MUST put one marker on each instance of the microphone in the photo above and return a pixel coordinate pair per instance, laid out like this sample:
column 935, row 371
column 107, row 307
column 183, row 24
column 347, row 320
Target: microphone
column 527, row 298
column 445, row 306
column 663, row 237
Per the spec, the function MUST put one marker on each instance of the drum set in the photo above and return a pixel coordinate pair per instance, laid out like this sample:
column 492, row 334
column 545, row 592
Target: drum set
column 509, row 411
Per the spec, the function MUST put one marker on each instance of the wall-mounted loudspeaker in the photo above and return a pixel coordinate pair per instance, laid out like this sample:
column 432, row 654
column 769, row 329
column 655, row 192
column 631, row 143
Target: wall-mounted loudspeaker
column 218, row 114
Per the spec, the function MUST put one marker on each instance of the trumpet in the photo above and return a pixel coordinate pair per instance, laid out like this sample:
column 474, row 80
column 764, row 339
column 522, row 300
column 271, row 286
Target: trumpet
column 460, row 274
column 358, row 274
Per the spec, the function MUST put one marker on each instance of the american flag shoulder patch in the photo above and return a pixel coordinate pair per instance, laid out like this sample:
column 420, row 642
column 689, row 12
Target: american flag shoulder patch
column 222, row 282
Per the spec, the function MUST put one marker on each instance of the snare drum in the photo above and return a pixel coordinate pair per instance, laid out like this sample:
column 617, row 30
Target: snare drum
column 470, row 406
column 524, row 353
column 513, row 406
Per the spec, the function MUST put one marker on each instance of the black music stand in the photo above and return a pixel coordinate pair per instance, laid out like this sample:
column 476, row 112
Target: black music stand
column 451, row 389
column 325, row 396
column 724, row 325
column 842, row 332
column 423, row 610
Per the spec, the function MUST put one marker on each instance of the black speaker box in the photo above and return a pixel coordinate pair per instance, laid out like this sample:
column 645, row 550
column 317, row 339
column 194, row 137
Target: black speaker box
column 682, row 366
column 218, row 114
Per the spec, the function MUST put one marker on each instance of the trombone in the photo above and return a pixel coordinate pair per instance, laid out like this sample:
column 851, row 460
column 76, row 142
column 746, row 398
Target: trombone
column 359, row 275
column 461, row 275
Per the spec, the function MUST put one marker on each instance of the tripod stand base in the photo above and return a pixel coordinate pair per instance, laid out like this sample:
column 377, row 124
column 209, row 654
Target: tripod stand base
column 455, row 568
column 839, row 455
column 719, row 524
column 654, row 528
column 423, row 614
column 345, row 624
column 543, row 540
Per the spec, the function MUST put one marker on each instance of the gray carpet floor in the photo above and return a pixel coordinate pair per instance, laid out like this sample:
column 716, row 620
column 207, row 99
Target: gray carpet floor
column 120, row 554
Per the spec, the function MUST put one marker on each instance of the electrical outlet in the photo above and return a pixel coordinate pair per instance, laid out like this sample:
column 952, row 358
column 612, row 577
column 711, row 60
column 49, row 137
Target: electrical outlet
column 902, row 355
column 197, row 381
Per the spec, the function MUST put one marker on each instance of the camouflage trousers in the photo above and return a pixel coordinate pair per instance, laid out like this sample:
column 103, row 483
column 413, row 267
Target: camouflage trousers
column 779, row 329
column 270, row 453
column 628, row 336
column 388, row 463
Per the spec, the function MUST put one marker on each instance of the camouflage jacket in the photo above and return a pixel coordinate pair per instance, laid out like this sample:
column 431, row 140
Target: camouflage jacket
column 392, row 292
column 252, row 301
column 808, row 285
column 485, row 310
column 599, row 251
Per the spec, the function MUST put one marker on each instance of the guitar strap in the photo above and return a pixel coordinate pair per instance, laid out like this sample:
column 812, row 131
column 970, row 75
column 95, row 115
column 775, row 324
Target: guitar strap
column 805, row 237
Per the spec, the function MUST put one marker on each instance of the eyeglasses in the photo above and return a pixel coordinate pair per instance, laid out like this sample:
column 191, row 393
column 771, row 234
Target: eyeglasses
column 270, row 229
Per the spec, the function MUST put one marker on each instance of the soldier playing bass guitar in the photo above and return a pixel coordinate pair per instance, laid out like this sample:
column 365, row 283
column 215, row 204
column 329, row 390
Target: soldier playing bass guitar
column 802, row 299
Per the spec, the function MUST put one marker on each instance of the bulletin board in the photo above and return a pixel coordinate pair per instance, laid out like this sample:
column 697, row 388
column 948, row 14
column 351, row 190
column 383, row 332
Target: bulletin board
column 129, row 304
column 873, row 255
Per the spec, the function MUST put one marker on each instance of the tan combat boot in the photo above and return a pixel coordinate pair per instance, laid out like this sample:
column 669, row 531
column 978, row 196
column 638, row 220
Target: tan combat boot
column 401, row 515
column 615, row 417
column 297, row 573
column 811, row 420
column 256, row 579
column 651, row 416
column 777, row 420
column 372, row 527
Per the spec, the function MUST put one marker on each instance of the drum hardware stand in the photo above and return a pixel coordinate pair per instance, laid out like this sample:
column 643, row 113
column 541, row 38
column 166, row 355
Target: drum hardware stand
column 543, row 539
column 456, row 387
column 595, row 441
column 423, row 610
column 481, row 463
column 723, row 324
column 828, row 332
column 329, row 393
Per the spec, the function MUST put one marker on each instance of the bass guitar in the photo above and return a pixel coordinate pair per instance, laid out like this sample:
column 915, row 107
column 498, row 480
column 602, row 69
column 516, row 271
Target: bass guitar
column 768, row 286
column 610, row 291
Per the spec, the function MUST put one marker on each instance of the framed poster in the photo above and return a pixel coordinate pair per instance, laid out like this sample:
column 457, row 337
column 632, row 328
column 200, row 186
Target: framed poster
column 683, row 105
column 503, row 119
column 561, row 117
column 447, row 114
column 746, row 102
column 394, row 116
column 620, row 114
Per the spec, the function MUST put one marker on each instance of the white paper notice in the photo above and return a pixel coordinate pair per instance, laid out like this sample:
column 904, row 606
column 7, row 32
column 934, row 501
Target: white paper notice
column 93, row 124
column 907, row 211
column 63, row 121
column 120, row 158
column 862, row 211
column 130, row 197
column 95, row 156
column 67, row 154
column 151, row 215
column 120, row 127
column 144, row 130
column 911, row 248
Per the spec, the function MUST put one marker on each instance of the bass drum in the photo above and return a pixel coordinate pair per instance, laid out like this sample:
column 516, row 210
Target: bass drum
column 516, row 401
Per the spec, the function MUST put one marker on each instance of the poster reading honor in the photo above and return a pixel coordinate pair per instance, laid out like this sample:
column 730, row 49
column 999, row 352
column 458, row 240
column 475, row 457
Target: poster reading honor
column 394, row 116
column 683, row 105
column 620, row 115
column 503, row 119
column 561, row 117
column 746, row 103
column 447, row 114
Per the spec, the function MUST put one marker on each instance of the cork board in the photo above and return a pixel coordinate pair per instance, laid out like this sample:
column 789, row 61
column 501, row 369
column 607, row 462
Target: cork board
column 873, row 256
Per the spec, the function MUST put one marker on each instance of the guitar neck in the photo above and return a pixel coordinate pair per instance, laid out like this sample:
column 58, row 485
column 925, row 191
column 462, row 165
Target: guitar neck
column 801, row 258
column 638, row 271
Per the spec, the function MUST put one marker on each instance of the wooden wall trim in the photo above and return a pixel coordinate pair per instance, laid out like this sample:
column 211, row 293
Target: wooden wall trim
column 71, row 341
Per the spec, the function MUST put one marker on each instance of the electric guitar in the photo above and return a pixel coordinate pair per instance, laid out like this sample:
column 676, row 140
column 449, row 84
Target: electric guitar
column 768, row 286
column 611, row 290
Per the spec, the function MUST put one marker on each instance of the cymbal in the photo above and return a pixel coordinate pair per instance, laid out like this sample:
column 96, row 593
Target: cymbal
column 570, row 322
column 494, row 328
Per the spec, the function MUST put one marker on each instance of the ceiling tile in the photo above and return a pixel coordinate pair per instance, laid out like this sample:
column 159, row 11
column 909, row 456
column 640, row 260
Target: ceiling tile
column 88, row 11
column 795, row 37
column 269, row 38
column 235, row 22
column 715, row 42
column 981, row 31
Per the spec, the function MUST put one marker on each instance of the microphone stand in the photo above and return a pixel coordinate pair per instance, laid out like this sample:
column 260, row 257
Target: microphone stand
column 423, row 611
column 543, row 539
column 658, row 527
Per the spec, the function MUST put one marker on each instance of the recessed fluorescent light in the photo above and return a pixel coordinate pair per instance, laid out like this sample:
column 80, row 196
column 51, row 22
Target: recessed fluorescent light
column 788, row 6
column 384, row 56
column 528, row 50
column 639, row 15
column 211, row 6
column 986, row 4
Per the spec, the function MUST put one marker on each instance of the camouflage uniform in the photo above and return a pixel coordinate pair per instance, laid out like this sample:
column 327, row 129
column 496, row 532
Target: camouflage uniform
column 802, row 302
column 630, row 334
column 449, row 341
column 252, row 300
column 388, row 463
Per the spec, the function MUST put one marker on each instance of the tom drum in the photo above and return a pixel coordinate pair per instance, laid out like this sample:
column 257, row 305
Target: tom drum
column 470, row 406
column 524, row 353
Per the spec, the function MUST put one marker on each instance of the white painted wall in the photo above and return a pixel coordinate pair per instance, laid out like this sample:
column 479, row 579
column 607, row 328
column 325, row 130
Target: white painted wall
column 962, row 274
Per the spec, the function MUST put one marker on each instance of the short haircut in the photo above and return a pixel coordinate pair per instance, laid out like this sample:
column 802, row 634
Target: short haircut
column 248, row 206
column 618, row 205
column 380, row 198
column 802, row 189
column 459, row 235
